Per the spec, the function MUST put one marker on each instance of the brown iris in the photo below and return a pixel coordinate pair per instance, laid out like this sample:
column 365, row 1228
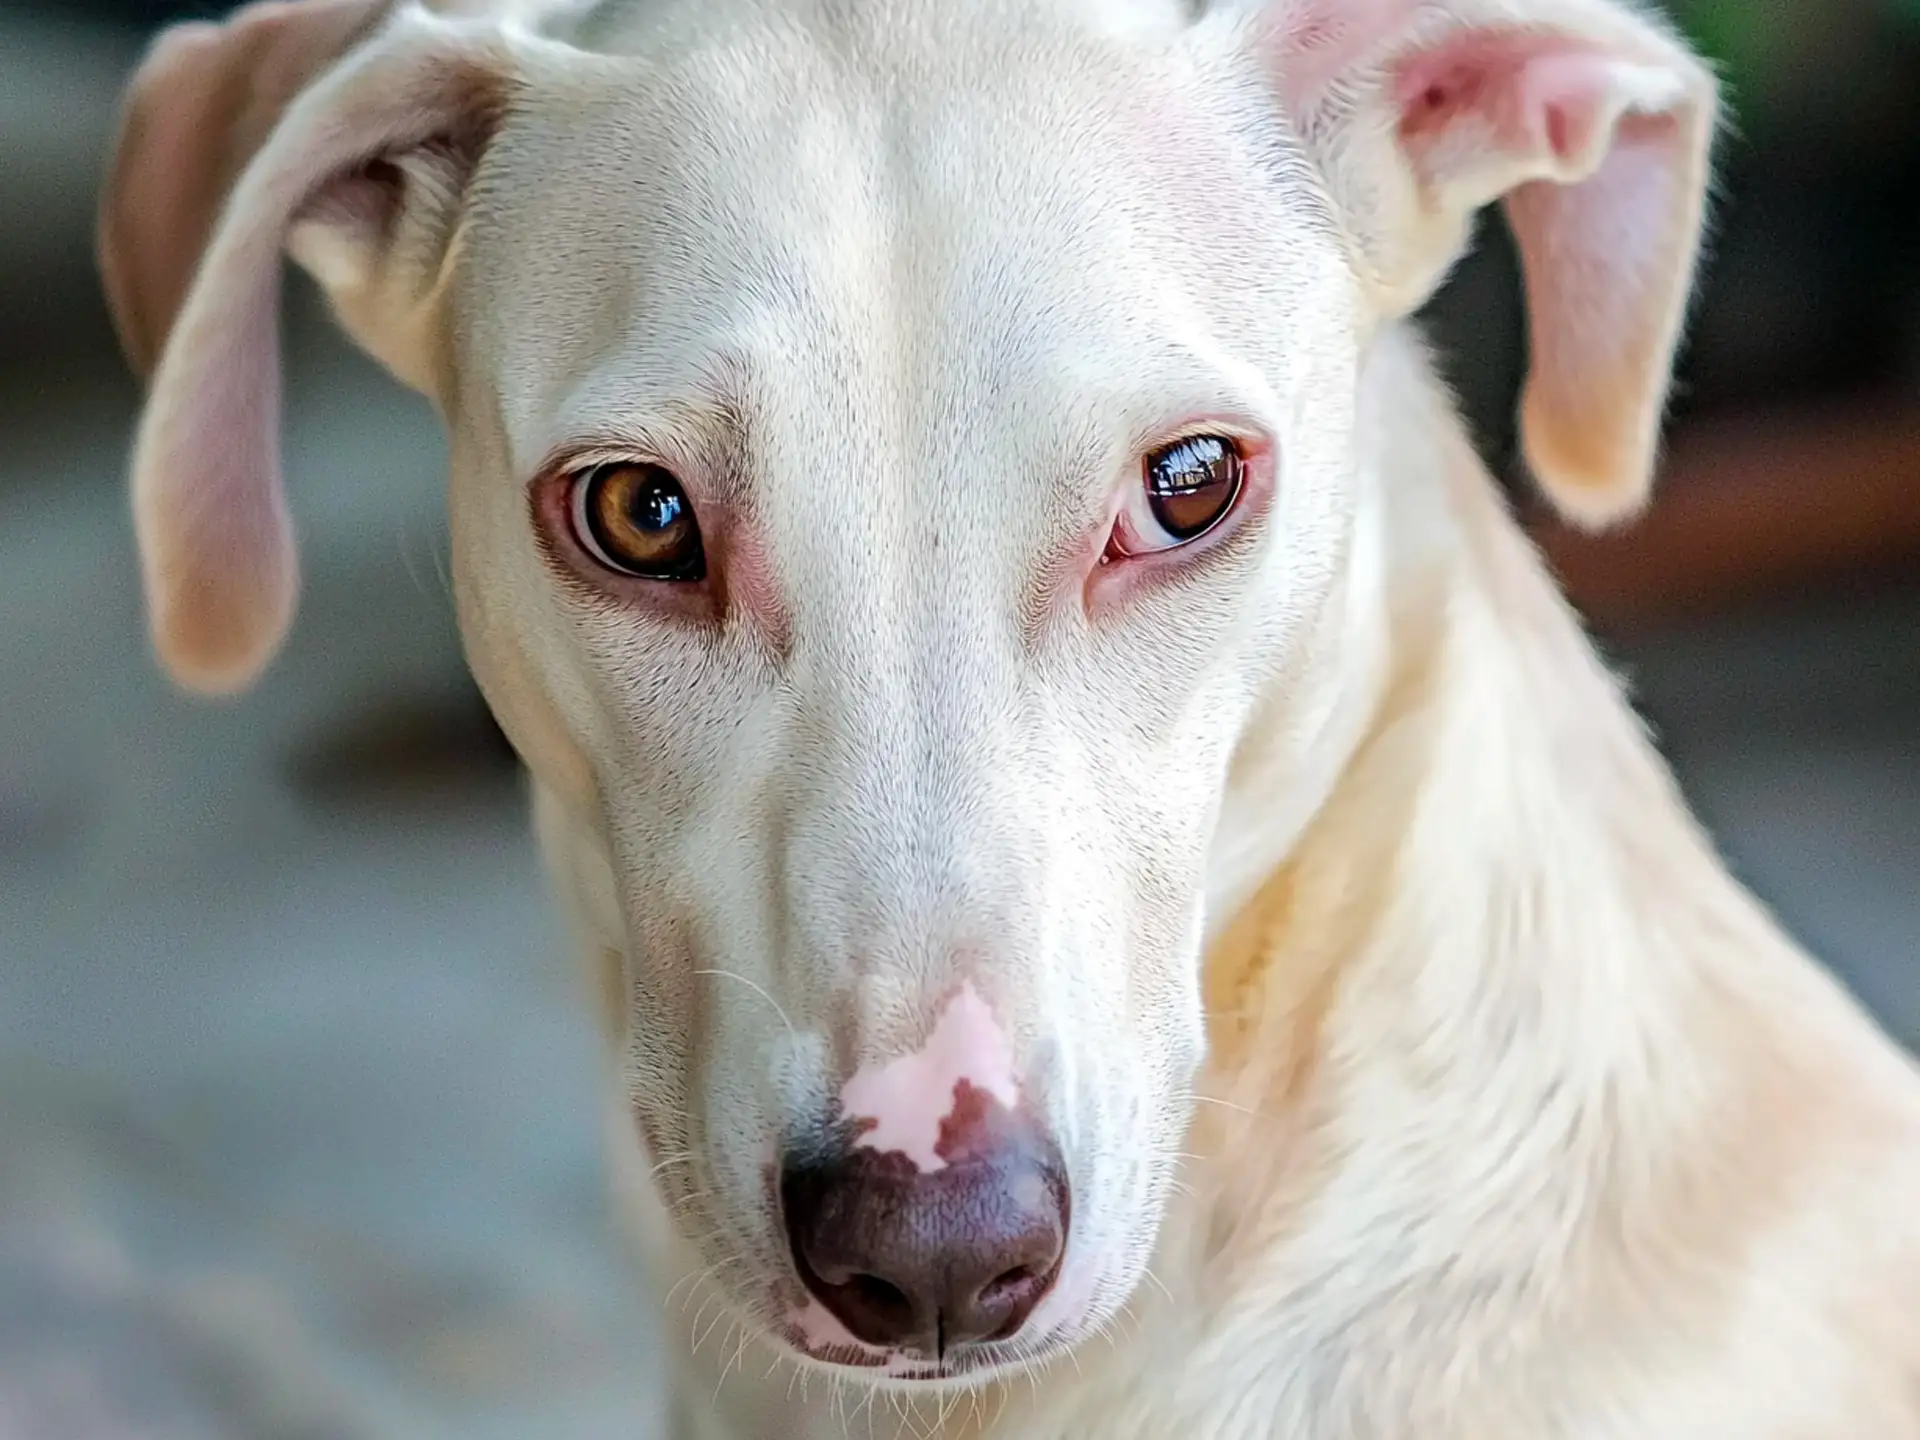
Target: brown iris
column 1192, row 484
column 636, row 520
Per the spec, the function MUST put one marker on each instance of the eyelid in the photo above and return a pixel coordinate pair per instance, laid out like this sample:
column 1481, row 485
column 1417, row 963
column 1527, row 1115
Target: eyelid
column 704, row 481
column 1245, row 429
column 575, row 463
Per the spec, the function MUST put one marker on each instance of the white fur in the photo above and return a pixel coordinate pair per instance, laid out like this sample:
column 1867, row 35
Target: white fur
column 1418, row 1068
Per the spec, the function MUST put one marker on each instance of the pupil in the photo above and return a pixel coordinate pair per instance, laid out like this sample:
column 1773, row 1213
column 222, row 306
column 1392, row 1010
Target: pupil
column 1191, row 484
column 658, row 506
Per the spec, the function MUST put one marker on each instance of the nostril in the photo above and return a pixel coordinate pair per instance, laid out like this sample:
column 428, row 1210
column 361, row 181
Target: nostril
column 1002, row 1305
column 884, row 1301
column 1007, row 1289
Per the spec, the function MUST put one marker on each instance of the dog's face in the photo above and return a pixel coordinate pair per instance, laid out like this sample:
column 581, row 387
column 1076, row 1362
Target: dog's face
column 896, row 456
column 981, row 486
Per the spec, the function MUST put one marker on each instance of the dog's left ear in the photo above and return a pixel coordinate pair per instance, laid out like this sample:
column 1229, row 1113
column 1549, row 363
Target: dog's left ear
column 1592, row 123
column 345, row 132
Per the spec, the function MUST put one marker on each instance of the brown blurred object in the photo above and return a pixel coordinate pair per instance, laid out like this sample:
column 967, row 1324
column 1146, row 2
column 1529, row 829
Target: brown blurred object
column 1750, row 506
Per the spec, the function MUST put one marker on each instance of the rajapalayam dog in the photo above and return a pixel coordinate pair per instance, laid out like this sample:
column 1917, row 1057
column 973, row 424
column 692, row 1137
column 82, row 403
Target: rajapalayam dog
column 1123, row 903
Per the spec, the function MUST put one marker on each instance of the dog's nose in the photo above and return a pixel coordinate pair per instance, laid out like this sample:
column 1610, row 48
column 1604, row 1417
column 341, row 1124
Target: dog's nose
column 911, row 1259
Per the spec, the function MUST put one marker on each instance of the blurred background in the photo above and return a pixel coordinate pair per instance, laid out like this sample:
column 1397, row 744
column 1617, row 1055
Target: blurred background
column 297, row 1103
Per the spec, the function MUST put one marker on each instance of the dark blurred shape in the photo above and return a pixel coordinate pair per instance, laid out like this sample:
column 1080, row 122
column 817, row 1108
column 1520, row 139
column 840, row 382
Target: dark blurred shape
column 135, row 14
column 1798, row 497
column 397, row 752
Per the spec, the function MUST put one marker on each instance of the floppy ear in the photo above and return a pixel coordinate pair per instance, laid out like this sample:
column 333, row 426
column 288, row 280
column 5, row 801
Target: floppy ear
column 1592, row 123
column 329, row 127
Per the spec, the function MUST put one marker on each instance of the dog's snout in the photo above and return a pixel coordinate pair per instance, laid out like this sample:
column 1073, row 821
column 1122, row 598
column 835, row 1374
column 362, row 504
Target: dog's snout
column 923, row 1261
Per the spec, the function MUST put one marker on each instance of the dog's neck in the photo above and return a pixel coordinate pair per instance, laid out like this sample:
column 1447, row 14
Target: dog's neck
column 1473, row 957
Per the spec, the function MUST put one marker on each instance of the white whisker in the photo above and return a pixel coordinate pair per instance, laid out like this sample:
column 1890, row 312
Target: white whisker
column 757, row 989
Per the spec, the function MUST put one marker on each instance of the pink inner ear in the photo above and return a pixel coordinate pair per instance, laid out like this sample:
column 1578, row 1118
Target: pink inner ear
column 1595, row 152
column 1527, row 95
column 1592, row 125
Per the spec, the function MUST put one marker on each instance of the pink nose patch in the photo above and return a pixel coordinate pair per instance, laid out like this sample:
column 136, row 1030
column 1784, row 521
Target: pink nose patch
column 903, row 1104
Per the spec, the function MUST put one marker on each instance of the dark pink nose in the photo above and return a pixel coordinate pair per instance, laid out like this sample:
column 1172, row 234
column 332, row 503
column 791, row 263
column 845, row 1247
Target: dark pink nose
column 924, row 1261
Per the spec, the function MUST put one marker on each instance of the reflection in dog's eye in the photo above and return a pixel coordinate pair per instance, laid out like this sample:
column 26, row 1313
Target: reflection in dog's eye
column 1192, row 483
column 637, row 520
column 1186, row 489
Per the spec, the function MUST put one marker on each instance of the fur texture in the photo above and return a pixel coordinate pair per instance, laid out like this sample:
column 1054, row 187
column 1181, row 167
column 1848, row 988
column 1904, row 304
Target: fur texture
column 1417, row 1066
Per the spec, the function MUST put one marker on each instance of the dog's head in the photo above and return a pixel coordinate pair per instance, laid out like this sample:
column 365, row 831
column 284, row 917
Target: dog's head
column 904, row 456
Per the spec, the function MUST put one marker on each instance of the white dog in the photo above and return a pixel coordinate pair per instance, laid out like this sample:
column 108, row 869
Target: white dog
column 1126, row 906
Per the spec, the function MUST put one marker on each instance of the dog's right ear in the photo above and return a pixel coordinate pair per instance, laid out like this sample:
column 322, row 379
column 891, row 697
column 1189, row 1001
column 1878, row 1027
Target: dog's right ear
column 344, row 131
column 1592, row 123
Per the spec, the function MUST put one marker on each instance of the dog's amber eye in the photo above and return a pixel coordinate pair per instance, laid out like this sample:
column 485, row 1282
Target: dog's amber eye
column 1186, row 489
column 636, row 520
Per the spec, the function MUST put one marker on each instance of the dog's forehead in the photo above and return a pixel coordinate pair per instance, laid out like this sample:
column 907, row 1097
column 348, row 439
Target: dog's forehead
column 919, row 218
